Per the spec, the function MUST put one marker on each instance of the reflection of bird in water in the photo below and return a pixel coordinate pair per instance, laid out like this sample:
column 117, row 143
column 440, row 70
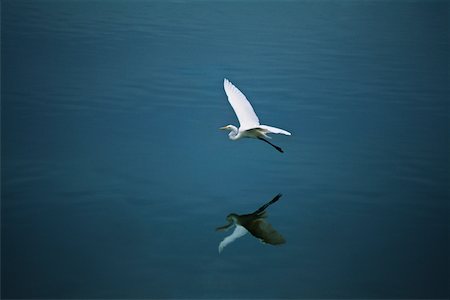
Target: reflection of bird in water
column 248, row 120
column 254, row 223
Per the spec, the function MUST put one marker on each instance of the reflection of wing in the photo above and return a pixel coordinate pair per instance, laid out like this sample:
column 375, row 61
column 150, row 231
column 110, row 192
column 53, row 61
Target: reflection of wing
column 265, row 232
column 243, row 109
column 237, row 233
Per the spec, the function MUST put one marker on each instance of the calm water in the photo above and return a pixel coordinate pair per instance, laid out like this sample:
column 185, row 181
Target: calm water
column 114, row 172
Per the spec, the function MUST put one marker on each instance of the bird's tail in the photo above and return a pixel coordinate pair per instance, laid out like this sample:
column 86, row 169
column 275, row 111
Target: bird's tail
column 262, row 208
column 276, row 130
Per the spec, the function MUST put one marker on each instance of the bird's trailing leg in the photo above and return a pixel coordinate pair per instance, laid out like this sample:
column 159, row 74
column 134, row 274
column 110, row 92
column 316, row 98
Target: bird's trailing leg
column 262, row 208
column 275, row 146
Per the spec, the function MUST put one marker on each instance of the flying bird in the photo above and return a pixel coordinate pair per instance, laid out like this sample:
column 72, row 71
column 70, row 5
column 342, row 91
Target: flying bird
column 254, row 223
column 248, row 120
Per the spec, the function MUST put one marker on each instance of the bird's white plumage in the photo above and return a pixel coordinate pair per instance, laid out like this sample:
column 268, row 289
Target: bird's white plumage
column 241, row 106
column 237, row 233
column 274, row 129
column 249, row 122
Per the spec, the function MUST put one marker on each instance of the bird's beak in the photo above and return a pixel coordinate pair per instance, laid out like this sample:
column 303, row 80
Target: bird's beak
column 223, row 128
column 225, row 227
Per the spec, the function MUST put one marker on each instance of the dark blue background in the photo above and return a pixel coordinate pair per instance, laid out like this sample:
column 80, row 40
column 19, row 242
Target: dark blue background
column 114, row 172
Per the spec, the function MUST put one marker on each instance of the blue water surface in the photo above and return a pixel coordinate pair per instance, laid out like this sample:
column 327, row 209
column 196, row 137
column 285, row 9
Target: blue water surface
column 114, row 173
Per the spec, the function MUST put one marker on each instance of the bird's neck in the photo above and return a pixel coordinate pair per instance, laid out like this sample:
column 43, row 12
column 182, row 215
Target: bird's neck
column 234, row 134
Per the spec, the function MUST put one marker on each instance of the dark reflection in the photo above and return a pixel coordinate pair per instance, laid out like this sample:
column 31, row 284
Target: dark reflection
column 254, row 223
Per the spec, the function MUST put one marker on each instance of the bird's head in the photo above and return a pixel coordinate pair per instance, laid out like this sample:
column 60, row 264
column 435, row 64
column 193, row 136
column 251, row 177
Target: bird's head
column 232, row 129
column 232, row 218
column 228, row 128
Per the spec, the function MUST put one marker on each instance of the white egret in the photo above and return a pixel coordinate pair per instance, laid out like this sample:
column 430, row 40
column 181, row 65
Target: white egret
column 248, row 120
column 254, row 223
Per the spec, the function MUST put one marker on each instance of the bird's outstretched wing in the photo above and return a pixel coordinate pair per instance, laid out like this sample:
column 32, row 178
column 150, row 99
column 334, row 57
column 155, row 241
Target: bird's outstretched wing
column 261, row 229
column 260, row 210
column 237, row 233
column 271, row 129
column 243, row 109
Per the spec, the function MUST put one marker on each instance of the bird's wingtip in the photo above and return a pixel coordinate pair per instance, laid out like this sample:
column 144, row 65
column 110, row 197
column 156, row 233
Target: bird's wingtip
column 227, row 84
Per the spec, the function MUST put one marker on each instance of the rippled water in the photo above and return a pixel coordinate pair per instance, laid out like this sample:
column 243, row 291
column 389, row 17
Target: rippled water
column 114, row 174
